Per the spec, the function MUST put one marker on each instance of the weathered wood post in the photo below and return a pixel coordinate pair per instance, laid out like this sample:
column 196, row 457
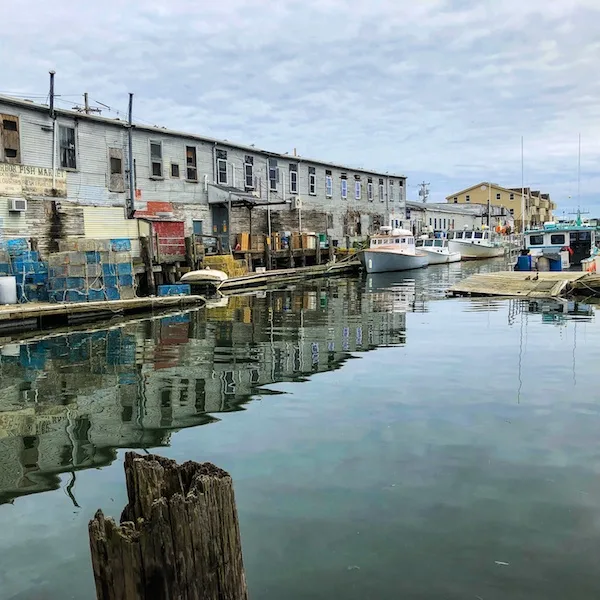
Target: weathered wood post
column 146, row 252
column 178, row 539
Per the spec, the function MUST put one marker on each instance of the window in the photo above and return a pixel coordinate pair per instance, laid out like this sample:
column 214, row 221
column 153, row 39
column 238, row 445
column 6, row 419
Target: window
column 175, row 170
column 584, row 236
column 391, row 190
column 512, row 212
column 294, row 179
column 536, row 240
column 467, row 198
column 498, row 196
column 273, row 174
column 191, row 165
column 222, row 167
column 557, row 238
column 370, row 189
column 444, row 223
column 512, row 196
column 381, row 194
column 478, row 235
column 455, row 199
column 11, row 145
column 328, row 184
column 430, row 222
column 458, row 235
column 66, row 138
column 116, row 178
column 468, row 235
column 357, row 189
column 344, row 187
column 312, row 181
column 249, row 172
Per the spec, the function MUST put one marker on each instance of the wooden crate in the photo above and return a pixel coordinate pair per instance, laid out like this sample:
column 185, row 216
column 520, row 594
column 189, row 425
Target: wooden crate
column 244, row 241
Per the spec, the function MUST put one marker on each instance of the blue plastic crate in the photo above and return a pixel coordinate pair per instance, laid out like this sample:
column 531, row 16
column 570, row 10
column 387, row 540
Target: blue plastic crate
column 57, row 283
column 174, row 290
column 76, row 283
column 126, row 280
column 96, row 295
column 120, row 245
column 124, row 269
column 109, row 269
column 92, row 256
column 17, row 246
column 112, row 293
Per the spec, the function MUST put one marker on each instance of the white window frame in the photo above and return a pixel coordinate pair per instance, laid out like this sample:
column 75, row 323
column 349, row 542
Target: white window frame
column 357, row 190
column 512, row 197
column 391, row 188
column 467, row 198
column 159, row 162
column 328, row 186
column 294, row 181
column 344, row 189
column 498, row 196
column 248, row 173
column 222, row 161
column 312, row 184
column 381, row 193
column 370, row 191
column 273, row 170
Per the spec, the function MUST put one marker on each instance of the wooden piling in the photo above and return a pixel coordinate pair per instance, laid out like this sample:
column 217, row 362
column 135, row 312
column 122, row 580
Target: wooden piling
column 178, row 538
column 146, row 253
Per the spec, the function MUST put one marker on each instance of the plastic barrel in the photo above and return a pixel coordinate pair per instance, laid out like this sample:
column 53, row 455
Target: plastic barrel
column 8, row 290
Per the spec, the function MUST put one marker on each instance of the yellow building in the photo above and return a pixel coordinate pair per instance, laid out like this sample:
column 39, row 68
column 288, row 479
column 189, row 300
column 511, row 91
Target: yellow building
column 538, row 206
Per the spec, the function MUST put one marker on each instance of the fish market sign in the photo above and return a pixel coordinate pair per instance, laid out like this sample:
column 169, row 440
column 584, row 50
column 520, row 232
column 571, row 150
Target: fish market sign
column 22, row 180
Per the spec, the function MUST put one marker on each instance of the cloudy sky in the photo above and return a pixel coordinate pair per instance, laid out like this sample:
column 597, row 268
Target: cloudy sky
column 440, row 90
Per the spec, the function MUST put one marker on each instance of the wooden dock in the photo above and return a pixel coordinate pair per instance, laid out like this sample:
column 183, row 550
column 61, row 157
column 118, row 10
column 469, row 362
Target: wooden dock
column 525, row 284
column 27, row 317
column 254, row 280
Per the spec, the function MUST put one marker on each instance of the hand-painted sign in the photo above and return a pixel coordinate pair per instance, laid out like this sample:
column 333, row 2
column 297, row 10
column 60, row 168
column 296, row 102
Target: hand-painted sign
column 23, row 180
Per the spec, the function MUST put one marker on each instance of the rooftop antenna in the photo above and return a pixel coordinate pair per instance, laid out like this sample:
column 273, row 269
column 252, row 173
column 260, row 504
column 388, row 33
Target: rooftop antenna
column 86, row 108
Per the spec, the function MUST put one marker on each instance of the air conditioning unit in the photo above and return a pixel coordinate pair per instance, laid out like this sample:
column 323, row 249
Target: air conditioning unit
column 297, row 203
column 17, row 205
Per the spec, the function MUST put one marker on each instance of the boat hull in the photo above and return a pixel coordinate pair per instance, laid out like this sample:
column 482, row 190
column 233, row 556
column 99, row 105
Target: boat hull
column 470, row 251
column 204, row 276
column 440, row 258
column 383, row 262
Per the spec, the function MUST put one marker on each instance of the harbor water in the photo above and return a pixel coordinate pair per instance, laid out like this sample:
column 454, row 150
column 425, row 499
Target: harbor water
column 384, row 441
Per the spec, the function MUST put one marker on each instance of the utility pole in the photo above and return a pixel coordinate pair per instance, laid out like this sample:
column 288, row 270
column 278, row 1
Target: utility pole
column 53, row 117
column 131, row 203
column 86, row 108
column 424, row 191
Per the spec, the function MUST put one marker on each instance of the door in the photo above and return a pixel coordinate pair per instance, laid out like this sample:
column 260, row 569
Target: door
column 197, row 227
column 220, row 222
column 581, row 245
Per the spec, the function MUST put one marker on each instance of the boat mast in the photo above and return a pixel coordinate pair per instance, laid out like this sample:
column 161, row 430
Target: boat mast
column 522, row 190
column 579, row 183
column 489, row 207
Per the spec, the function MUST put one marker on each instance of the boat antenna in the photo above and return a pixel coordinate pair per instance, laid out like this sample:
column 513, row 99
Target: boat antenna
column 579, row 183
column 522, row 192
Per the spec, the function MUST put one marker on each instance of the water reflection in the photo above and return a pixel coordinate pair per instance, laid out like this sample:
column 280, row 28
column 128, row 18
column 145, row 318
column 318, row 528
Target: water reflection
column 68, row 402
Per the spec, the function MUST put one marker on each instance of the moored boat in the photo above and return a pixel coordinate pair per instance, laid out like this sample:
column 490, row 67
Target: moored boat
column 474, row 244
column 392, row 250
column 204, row 277
column 437, row 251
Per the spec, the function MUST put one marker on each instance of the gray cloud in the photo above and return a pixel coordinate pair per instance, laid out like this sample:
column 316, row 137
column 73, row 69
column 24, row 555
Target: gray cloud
column 440, row 89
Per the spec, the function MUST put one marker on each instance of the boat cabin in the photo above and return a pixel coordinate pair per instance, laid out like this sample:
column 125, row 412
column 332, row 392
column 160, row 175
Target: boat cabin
column 431, row 243
column 471, row 236
column 393, row 237
column 579, row 240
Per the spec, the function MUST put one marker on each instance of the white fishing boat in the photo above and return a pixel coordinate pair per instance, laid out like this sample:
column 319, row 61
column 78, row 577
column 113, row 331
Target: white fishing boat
column 205, row 276
column 392, row 250
column 437, row 251
column 474, row 244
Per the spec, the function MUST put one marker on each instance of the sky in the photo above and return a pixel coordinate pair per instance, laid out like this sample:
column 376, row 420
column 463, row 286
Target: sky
column 439, row 90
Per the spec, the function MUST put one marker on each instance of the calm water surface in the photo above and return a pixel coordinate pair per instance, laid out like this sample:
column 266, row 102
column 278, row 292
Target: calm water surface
column 385, row 442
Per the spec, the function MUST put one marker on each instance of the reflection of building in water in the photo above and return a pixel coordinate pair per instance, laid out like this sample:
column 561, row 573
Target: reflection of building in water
column 553, row 310
column 66, row 403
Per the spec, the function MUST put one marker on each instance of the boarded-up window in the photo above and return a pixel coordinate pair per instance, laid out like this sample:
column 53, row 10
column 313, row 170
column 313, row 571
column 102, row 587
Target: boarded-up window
column 190, row 158
column 66, row 141
column 116, row 179
column 175, row 170
column 11, row 147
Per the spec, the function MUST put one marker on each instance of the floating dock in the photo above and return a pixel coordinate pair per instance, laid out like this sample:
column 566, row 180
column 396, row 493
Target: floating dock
column 27, row 317
column 527, row 284
column 254, row 280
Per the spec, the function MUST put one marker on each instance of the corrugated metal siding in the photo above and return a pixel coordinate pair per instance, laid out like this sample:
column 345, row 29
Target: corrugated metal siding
column 109, row 222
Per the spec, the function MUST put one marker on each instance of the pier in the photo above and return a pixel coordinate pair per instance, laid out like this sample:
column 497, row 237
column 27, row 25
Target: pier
column 527, row 284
